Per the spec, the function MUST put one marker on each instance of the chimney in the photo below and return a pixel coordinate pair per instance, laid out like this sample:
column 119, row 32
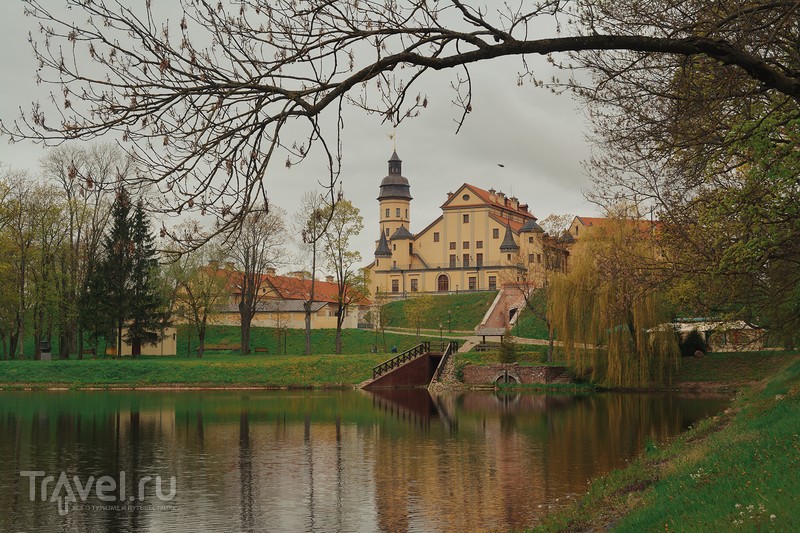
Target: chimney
column 270, row 271
column 514, row 202
column 492, row 196
column 501, row 197
column 329, row 279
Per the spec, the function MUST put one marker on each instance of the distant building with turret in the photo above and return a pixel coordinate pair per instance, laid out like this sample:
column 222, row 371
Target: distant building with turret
column 482, row 240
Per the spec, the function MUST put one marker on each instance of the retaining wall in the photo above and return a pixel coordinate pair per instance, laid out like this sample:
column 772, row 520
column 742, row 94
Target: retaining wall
column 487, row 374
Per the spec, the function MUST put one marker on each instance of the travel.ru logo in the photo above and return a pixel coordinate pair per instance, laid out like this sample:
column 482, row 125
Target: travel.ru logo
column 107, row 489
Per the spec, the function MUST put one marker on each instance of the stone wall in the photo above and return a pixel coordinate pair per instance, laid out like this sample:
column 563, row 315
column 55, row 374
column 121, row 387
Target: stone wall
column 487, row 374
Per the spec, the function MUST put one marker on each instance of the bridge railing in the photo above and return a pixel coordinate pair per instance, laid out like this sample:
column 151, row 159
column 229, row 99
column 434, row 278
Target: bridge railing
column 451, row 348
column 399, row 359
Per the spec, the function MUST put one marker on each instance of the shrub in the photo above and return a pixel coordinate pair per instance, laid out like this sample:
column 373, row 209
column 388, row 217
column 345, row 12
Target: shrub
column 508, row 349
column 692, row 343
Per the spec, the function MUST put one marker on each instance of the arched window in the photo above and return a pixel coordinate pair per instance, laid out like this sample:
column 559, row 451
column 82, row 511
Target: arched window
column 443, row 283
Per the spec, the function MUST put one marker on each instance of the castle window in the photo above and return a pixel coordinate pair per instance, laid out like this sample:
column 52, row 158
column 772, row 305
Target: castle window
column 466, row 260
column 387, row 212
column 473, row 283
column 538, row 258
column 406, row 213
column 435, row 236
column 479, row 260
column 466, row 218
column 495, row 233
column 387, row 231
column 394, row 247
column 508, row 256
column 395, row 285
column 531, row 258
column 465, row 197
column 414, row 282
column 452, row 260
column 465, row 245
column 397, row 212
column 530, row 239
column 478, row 244
column 453, row 245
column 492, row 283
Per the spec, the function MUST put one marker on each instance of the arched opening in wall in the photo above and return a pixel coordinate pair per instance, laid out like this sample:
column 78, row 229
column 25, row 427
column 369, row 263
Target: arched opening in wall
column 506, row 377
column 443, row 283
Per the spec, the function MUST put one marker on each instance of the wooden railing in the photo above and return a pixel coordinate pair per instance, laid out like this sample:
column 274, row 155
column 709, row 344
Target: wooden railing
column 399, row 359
column 452, row 347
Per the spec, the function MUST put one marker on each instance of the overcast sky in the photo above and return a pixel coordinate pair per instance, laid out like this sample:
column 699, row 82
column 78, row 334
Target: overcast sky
column 538, row 137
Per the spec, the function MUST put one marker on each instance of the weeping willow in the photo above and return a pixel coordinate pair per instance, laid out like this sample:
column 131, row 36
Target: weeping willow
column 609, row 313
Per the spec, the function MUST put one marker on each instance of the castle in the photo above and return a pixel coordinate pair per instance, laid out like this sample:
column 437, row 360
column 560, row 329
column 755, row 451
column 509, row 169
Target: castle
column 482, row 240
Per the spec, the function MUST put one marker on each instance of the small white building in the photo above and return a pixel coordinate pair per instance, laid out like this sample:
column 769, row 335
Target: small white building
column 724, row 335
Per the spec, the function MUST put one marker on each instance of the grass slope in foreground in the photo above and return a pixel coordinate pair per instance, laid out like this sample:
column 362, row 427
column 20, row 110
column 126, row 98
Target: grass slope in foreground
column 218, row 370
column 735, row 471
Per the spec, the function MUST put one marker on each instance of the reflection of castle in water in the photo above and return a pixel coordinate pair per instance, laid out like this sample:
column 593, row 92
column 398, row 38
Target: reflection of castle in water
column 329, row 460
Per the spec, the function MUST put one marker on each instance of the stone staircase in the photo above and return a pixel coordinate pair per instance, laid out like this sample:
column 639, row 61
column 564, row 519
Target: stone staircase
column 497, row 318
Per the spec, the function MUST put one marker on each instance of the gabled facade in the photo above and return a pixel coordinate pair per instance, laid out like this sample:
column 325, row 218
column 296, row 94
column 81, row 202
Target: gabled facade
column 281, row 302
column 482, row 240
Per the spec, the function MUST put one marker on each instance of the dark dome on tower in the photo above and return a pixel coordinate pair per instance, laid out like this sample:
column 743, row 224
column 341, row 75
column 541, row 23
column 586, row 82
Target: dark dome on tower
column 395, row 185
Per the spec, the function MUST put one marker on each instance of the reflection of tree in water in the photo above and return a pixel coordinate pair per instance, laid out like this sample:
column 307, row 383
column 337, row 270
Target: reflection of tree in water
column 245, row 473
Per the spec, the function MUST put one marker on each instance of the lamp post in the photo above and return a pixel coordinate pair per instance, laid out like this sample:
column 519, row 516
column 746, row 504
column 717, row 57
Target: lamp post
column 441, row 340
column 449, row 326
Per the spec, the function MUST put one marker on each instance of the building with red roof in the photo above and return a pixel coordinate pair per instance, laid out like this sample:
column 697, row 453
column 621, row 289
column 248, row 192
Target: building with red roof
column 282, row 299
column 482, row 239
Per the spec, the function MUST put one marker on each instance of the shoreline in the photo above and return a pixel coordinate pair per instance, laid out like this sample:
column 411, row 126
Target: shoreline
column 720, row 387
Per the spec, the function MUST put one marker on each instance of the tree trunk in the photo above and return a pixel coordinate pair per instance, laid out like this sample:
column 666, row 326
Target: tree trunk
column 339, row 320
column 201, row 340
column 12, row 348
column 119, row 340
column 307, row 309
column 550, row 341
column 245, row 337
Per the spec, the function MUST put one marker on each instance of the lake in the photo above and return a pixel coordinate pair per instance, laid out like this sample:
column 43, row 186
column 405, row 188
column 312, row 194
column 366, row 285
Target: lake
column 315, row 460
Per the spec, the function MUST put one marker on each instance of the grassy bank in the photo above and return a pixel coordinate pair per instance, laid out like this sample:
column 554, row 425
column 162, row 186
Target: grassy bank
column 293, row 341
column 737, row 470
column 465, row 311
column 278, row 371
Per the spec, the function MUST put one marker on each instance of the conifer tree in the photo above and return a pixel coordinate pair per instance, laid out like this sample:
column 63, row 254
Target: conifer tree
column 123, row 285
column 145, row 317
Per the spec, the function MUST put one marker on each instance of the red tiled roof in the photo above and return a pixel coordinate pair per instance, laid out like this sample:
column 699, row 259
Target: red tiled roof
column 515, row 226
column 290, row 288
column 485, row 197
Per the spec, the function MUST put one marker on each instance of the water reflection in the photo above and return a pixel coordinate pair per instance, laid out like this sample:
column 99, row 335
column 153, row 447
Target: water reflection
column 321, row 461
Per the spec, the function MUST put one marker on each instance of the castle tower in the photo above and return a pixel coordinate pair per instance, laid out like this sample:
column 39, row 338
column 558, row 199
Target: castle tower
column 395, row 199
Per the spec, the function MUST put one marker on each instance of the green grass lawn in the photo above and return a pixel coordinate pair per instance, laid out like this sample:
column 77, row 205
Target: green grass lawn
column 735, row 471
column 530, row 327
column 273, row 370
column 354, row 341
column 738, row 367
column 465, row 311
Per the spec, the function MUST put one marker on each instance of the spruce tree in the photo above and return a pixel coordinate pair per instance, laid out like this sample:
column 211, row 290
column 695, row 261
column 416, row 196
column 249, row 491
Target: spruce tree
column 116, row 266
column 124, row 283
column 145, row 318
